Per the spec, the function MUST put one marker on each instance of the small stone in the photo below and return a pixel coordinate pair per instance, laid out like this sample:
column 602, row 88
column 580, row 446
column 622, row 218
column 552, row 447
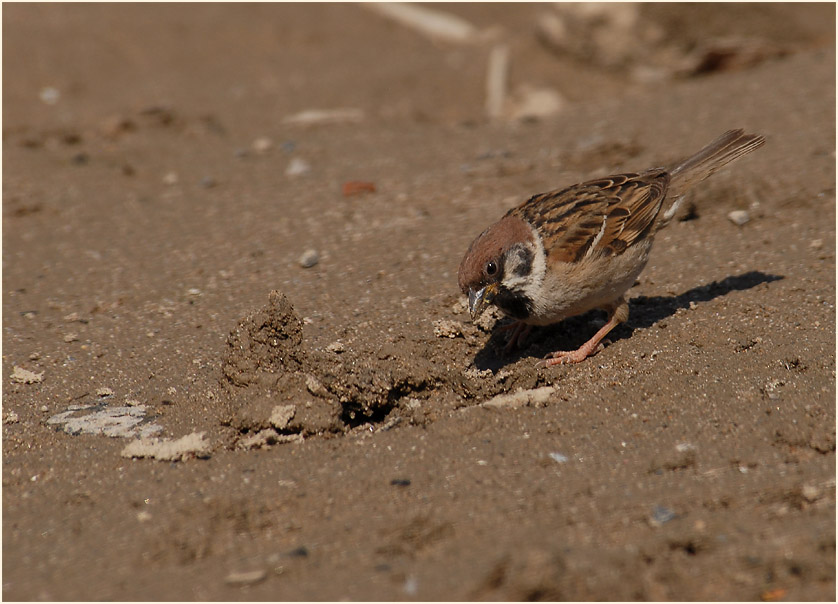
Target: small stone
column 309, row 258
column 143, row 516
column 49, row 95
column 810, row 493
column 336, row 347
column 250, row 577
column 11, row 418
column 739, row 217
column 297, row 166
column 262, row 144
column 170, row 178
column 661, row 515
column 298, row 552
column 24, row 376
column 35, row 356
column 72, row 317
column 208, row 182
column 400, row 482
column 103, row 392
column 282, row 415
column 357, row 187
column 558, row 457
column 816, row 244
column 71, row 337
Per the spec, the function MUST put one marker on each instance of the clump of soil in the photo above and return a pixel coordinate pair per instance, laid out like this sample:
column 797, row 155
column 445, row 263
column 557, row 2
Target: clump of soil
column 269, row 372
column 265, row 344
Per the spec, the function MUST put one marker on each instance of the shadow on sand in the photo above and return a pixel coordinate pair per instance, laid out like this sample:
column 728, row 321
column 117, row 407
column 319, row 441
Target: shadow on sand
column 644, row 311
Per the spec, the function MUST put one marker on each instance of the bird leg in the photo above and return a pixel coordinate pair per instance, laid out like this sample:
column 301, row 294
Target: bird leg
column 618, row 313
column 520, row 331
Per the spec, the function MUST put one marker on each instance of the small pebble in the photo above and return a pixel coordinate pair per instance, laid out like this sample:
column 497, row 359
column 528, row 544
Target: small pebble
column 103, row 392
column 336, row 347
column 810, row 493
column 739, row 217
column 558, row 457
column 662, row 515
column 71, row 337
column 357, row 187
column 262, row 144
column 49, row 95
column 249, row 577
column 170, row 178
column 298, row 552
column 309, row 258
column 400, row 482
column 208, row 182
column 816, row 244
column 297, row 166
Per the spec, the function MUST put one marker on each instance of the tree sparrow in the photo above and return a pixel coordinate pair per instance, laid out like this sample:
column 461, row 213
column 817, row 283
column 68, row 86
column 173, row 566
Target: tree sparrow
column 568, row 251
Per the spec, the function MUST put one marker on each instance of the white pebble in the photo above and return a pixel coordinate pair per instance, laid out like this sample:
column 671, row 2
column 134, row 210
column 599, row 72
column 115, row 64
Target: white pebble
column 262, row 144
column 309, row 258
column 49, row 95
column 336, row 347
column 297, row 166
column 739, row 217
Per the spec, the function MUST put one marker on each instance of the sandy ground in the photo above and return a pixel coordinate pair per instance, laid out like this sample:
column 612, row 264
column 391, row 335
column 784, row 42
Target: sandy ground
column 341, row 438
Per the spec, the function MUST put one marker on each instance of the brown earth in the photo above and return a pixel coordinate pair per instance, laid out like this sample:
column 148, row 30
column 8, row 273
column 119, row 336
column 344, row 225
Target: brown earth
column 352, row 445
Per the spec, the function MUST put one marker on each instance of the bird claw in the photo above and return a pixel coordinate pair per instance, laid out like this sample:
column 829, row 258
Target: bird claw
column 566, row 357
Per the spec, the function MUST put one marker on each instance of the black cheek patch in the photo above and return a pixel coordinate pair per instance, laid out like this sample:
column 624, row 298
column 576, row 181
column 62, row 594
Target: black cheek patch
column 524, row 265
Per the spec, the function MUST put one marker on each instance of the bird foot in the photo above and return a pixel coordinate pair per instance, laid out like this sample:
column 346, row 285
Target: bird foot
column 566, row 357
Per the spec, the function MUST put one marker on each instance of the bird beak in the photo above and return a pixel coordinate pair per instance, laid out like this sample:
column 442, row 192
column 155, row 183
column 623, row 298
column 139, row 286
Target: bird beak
column 480, row 299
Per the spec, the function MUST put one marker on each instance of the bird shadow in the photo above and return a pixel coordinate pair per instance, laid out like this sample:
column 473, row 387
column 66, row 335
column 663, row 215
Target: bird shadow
column 644, row 311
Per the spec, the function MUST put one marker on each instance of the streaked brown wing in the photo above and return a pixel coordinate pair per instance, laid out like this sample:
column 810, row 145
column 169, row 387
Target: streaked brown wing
column 598, row 217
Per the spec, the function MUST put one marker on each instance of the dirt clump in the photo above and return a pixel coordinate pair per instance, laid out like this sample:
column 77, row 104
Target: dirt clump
column 265, row 344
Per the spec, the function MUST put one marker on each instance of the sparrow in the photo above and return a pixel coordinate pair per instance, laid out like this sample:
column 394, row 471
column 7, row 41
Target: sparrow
column 568, row 251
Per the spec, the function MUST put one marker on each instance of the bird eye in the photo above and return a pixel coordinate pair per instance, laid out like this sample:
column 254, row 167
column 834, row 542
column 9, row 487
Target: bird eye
column 491, row 268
